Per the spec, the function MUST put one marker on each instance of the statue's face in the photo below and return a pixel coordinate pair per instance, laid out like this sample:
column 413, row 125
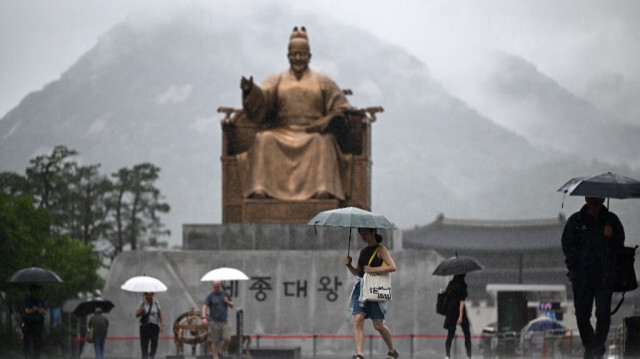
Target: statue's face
column 299, row 55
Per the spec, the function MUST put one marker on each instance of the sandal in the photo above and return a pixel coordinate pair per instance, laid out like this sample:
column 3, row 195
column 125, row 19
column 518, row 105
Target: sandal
column 393, row 355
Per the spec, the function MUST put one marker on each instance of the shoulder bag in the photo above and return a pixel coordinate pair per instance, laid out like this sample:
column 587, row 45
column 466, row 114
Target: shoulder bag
column 89, row 337
column 625, row 280
column 376, row 287
column 443, row 303
column 144, row 318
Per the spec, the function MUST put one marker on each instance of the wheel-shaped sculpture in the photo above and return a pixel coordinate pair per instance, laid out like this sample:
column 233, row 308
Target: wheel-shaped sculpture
column 189, row 329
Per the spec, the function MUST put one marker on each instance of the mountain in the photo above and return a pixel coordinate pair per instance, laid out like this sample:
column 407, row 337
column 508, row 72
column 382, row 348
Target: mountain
column 149, row 90
column 517, row 95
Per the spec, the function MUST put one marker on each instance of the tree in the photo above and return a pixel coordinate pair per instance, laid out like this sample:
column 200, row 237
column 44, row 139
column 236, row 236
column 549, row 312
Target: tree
column 137, row 203
column 49, row 174
column 14, row 184
column 87, row 205
column 26, row 240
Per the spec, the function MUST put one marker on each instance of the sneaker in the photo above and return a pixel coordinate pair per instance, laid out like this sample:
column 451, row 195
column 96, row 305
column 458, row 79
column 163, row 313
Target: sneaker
column 393, row 355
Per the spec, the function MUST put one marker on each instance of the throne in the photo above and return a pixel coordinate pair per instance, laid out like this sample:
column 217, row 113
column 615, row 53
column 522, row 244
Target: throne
column 238, row 133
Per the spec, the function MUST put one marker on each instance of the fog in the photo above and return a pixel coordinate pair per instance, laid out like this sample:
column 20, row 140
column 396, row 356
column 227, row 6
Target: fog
column 584, row 50
column 582, row 44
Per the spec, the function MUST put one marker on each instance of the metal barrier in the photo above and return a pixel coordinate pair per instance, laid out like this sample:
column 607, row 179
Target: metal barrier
column 546, row 345
column 543, row 345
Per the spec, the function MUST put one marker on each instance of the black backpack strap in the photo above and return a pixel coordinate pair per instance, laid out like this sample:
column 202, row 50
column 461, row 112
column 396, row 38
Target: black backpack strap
column 619, row 304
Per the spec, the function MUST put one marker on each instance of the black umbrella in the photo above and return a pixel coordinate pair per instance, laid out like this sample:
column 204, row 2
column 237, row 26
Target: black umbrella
column 34, row 275
column 457, row 265
column 605, row 185
column 89, row 306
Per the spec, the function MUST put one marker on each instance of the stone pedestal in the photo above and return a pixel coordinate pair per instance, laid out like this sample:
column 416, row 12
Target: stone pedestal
column 278, row 211
column 274, row 236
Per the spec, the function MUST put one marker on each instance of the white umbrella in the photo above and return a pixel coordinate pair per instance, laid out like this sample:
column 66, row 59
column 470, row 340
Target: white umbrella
column 224, row 273
column 143, row 284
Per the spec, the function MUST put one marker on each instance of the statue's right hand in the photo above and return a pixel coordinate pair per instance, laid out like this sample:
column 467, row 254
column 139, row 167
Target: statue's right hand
column 246, row 84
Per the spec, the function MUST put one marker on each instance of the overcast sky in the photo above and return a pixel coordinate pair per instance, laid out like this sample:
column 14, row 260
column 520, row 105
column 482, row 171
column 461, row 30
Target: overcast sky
column 574, row 41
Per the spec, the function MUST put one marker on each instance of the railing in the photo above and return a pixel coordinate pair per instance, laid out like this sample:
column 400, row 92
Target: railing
column 548, row 345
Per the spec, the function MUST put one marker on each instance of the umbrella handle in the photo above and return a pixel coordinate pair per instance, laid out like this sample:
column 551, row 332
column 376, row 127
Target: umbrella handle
column 349, row 248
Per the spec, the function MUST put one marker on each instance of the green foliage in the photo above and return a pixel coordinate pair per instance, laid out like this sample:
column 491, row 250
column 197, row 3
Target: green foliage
column 137, row 205
column 26, row 240
column 87, row 206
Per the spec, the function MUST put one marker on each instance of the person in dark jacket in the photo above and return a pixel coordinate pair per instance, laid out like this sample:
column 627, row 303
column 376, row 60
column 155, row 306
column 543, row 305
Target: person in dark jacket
column 457, row 313
column 100, row 325
column 589, row 240
column 34, row 312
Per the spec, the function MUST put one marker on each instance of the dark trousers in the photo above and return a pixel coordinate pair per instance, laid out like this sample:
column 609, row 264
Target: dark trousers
column 467, row 338
column 149, row 340
column 585, row 290
column 32, row 336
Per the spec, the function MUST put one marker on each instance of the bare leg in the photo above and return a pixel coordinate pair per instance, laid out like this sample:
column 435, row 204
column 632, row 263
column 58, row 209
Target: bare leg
column 225, row 346
column 214, row 349
column 358, row 332
column 385, row 333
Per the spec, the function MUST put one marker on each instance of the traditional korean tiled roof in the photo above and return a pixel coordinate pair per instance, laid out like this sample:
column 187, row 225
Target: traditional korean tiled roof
column 449, row 235
column 524, row 251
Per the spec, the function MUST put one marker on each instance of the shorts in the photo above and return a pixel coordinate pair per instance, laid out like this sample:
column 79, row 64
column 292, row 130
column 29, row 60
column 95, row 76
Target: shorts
column 219, row 331
column 371, row 310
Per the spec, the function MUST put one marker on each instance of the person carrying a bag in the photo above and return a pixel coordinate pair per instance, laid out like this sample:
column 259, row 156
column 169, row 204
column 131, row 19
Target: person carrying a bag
column 151, row 323
column 371, row 260
column 589, row 240
column 99, row 324
column 456, row 314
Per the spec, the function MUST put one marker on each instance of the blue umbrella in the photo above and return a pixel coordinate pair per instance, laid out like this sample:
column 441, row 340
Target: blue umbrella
column 543, row 324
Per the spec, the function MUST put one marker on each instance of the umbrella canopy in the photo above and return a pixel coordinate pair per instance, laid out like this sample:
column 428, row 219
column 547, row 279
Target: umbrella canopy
column 351, row 217
column 542, row 324
column 605, row 185
column 224, row 273
column 143, row 284
column 34, row 275
column 457, row 265
column 89, row 306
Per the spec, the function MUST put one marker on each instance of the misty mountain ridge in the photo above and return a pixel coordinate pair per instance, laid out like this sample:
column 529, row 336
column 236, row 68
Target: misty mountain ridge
column 150, row 93
column 514, row 93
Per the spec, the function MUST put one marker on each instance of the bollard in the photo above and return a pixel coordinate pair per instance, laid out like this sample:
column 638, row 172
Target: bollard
column 315, row 337
column 411, row 347
column 239, row 331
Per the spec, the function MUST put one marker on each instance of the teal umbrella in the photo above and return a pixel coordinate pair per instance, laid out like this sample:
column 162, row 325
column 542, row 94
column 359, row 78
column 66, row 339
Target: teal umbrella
column 351, row 217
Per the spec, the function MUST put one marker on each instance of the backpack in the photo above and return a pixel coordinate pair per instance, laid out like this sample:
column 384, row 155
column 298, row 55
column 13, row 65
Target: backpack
column 625, row 280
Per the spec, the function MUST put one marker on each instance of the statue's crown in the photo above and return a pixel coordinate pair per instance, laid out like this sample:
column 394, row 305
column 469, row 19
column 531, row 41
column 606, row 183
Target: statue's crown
column 299, row 34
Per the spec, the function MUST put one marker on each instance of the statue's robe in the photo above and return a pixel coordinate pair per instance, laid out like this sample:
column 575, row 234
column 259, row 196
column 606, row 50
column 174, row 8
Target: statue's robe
column 286, row 162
